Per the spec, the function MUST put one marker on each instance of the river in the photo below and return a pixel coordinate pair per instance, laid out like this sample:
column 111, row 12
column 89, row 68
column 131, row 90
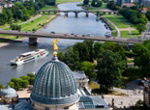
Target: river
column 81, row 25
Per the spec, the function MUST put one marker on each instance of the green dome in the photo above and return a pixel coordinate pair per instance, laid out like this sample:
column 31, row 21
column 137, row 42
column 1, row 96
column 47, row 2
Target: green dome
column 54, row 84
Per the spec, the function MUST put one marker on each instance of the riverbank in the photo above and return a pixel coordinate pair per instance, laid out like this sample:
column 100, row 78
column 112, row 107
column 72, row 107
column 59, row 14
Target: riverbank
column 2, row 44
column 30, row 25
column 127, row 30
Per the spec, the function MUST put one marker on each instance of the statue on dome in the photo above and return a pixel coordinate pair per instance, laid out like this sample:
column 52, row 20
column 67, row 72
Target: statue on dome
column 55, row 47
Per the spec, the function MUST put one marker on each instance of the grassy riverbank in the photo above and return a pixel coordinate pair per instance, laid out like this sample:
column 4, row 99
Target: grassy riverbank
column 126, row 29
column 35, row 24
column 104, row 5
column 47, row 7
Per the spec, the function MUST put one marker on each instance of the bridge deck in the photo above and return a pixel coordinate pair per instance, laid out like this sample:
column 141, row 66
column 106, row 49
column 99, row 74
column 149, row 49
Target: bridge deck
column 68, row 36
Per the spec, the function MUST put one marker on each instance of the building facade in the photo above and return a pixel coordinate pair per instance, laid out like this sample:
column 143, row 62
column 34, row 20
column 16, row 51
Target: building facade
column 147, row 92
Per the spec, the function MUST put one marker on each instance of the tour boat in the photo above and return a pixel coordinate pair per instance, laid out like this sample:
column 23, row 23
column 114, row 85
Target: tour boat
column 29, row 56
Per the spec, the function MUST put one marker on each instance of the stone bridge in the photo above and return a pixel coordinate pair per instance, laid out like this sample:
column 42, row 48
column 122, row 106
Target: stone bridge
column 76, row 12
column 34, row 35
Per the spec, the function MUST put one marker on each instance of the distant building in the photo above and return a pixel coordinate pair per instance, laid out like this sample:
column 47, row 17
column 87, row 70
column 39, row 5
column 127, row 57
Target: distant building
column 128, row 3
column 147, row 92
column 121, row 2
column 8, row 95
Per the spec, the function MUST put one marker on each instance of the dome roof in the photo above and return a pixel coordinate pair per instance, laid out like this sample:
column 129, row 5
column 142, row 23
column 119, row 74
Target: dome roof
column 8, row 92
column 23, row 105
column 54, row 84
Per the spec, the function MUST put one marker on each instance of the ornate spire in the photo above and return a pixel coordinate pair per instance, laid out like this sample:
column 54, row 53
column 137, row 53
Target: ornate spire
column 55, row 47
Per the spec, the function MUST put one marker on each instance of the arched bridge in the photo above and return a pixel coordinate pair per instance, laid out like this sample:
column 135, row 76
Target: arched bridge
column 76, row 12
column 34, row 35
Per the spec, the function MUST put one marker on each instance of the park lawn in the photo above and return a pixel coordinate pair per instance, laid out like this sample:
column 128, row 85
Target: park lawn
column 47, row 7
column 37, row 23
column 133, row 34
column 29, row 26
column 119, row 21
column 65, row 1
column 8, row 37
column 104, row 5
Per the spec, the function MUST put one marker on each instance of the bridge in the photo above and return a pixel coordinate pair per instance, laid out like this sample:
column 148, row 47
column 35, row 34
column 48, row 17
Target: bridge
column 76, row 12
column 34, row 35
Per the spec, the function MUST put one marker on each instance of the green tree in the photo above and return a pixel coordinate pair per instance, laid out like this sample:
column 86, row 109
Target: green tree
column 148, row 15
column 85, row 50
column 2, row 19
column 2, row 86
column 142, row 57
column 24, row 83
column 86, row 2
column 110, row 67
column 15, row 27
column 88, row 68
column 15, row 83
column 141, row 28
column 31, row 78
column 96, row 3
column 70, row 57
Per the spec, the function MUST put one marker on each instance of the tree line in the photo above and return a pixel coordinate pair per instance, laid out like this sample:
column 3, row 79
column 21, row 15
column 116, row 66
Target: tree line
column 107, row 62
column 135, row 16
column 22, row 11
column 93, row 3
column 22, row 81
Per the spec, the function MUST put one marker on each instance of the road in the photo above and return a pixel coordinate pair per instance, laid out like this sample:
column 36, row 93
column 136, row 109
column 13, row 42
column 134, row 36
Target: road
column 69, row 36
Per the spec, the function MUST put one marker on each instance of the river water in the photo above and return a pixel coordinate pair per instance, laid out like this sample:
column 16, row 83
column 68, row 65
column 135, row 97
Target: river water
column 81, row 25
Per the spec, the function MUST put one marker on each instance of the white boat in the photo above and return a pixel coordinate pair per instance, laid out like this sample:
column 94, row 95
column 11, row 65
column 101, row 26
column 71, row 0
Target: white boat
column 29, row 56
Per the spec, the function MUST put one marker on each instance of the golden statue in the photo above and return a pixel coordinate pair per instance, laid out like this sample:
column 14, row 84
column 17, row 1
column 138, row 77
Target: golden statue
column 55, row 47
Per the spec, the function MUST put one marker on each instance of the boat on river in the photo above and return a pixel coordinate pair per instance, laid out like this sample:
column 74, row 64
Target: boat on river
column 29, row 56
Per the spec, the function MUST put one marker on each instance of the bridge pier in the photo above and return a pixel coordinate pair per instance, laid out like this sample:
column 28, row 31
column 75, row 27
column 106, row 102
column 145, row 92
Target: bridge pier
column 66, row 14
column 32, row 41
column 76, row 14
column 87, row 14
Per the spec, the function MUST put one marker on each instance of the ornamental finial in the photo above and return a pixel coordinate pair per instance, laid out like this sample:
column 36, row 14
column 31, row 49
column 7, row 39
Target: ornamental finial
column 55, row 47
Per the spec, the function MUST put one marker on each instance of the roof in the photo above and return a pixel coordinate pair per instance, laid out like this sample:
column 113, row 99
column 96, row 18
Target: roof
column 8, row 92
column 91, row 102
column 54, row 84
column 23, row 105
column 79, row 75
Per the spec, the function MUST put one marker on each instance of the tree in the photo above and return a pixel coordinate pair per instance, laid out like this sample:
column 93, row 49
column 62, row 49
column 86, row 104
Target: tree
column 148, row 15
column 18, row 83
column 31, row 78
column 15, row 27
column 85, row 50
column 86, row 2
column 142, row 57
column 110, row 67
column 70, row 57
column 141, row 28
column 2, row 19
column 15, row 83
column 88, row 68
column 24, row 83
column 2, row 86
column 96, row 3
